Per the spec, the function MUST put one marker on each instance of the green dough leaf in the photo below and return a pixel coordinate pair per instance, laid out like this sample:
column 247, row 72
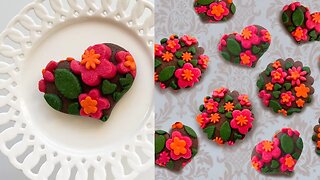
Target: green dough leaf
column 229, row 115
column 287, row 144
column 293, row 110
column 276, row 94
column 225, row 131
column 221, row 109
column 118, row 95
column 265, row 169
column 159, row 143
column 256, row 49
column 225, row 55
column 194, row 151
column 74, row 109
column 161, row 132
column 260, row 83
column 105, row 118
column 194, row 62
column 67, row 83
column 181, row 63
column 233, row 8
column 291, row 28
column 164, row 40
column 173, row 85
column 205, row 2
column 233, row 46
column 166, row 73
column 277, row 87
column 313, row 35
column 157, row 63
column 192, row 50
column 296, row 155
column 268, row 71
column 274, row 164
column 285, row 18
column 108, row 87
column 287, row 86
column 307, row 69
column 299, row 143
column 298, row 17
column 190, row 131
column 170, row 164
column 178, row 54
column 210, row 131
column 126, row 82
column 238, row 107
column 237, row 136
column 288, row 65
column 275, row 105
column 201, row 108
column 236, row 60
column 228, row 98
column 54, row 101
column 217, row 99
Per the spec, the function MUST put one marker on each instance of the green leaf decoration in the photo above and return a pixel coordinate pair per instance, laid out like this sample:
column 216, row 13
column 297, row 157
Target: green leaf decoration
column 233, row 46
column 178, row 54
column 287, row 86
column 268, row 70
column 276, row 94
column 157, row 63
column 170, row 164
column 298, row 17
column 237, row 135
column 299, row 143
column 217, row 99
column 192, row 50
column 313, row 35
column 194, row 62
column 126, row 82
column 182, row 44
column 309, row 99
column 314, row 137
column 229, row 115
column 293, row 110
column 108, row 87
column 265, row 46
column 205, row 2
column 228, row 98
column 236, row 60
column 159, row 143
column 105, row 118
column 67, row 83
column 74, row 108
column 275, row 105
column 318, row 151
column 166, row 73
column 233, row 8
column 54, row 101
column 181, row 63
column 296, row 155
column 265, row 169
column 161, row 132
column 256, row 49
column 190, row 131
column 163, row 41
column 221, row 109
column 201, row 108
column 118, row 95
column 285, row 18
column 287, row 144
column 173, row 85
column 260, row 83
column 225, row 131
column 291, row 28
column 194, row 151
column 277, row 87
column 288, row 65
column 209, row 131
column 238, row 107
column 307, row 69
column 274, row 164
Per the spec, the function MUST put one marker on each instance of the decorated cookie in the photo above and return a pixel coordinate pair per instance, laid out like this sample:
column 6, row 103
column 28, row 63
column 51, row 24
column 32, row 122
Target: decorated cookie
column 90, row 87
column 286, row 86
column 278, row 156
column 316, row 137
column 179, row 62
column 226, row 116
column 300, row 23
column 176, row 149
column 214, row 10
column 245, row 48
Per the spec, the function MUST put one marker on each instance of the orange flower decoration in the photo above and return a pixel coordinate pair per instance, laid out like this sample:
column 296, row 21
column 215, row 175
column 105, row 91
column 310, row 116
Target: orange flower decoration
column 186, row 56
column 318, row 144
column 228, row 106
column 156, row 76
column 89, row 105
column 218, row 140
column 283, row 111
column 129, row 63
column 302, row 91
column 269, row 86
column 178, row 146
column 90, row 59
column 70, row 59
column 300, row 103
column 215, row 118
column 167, row 56
column 246, row 33
column 276, row 65
column 177, row 125
column 200, row 119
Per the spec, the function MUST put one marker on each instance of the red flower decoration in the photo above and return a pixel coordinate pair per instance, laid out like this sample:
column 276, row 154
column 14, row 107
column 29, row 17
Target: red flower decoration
column 278, row 76
column 242, row 120
column 187, row 75
column 287, row 98
column 296, row 75
column 92, row 104
column 126, row 63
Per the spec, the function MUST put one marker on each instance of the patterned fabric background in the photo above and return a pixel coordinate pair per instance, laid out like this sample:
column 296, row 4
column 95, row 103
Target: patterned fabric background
column 233, row 162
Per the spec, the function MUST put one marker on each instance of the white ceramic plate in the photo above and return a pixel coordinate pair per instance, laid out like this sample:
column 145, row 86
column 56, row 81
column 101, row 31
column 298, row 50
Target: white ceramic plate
column 45, row 143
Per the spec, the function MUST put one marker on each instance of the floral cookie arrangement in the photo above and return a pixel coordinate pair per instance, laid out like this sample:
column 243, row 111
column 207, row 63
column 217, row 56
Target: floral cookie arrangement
column 316, row 137
column 245, row 48
column 226, row 116
column 179, row 62
column 214, row 10
column 280, row 155
column 300, row 23
column 175, row 150
column 286, row 86
column 91, row 87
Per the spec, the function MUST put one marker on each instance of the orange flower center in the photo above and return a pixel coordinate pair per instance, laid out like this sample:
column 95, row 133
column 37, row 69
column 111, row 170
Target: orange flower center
column 267, row 36
column 89, row 105
column 129, row 63
column 246, row 33
column 283, row 111
column 316, row 17
column 217, row 10
column 187, row 75
column 218, row 140
column 269, row 86
column 245, row 98
column 255, row 165
column 209, row 106
column 215, row 118
column 171, row 44
column 277, row 75
column 167, row 56
column 318, row 135
column 186, row 56
column 298, row 33
column 90, row 59
column 245, row 59
column 285, row 98
column 295, row 75
column 220, row 90
column 178, row 146
column 300, row 103
column 156, row 76
column 267, row 146
column 228, row 106
column 289, row 162
column 276, row 64
column 242, row 120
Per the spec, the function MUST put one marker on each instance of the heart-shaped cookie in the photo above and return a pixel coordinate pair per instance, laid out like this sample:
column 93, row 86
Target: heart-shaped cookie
column 175, row 150
column 226, row 116
column 300, row 23
column 280, row 155
column 316, row 137
column 245, row 48
column 90, row 87
column 214, row 10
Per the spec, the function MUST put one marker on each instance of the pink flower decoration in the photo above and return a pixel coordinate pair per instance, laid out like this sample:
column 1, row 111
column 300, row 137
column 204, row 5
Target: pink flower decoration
column 265, row 36
column 244, row 100
column 296, row 75
column 47, row 75
column 312, row 22
column 290, row 132
column 247, row 58
column 205, row 120
column 42, row 86
column 102, row 103
column 158, row 50
column 163, row 159
column 201, row 9
column 105, row 69
column 300, row 34
column 126, row 63
column 162, row 86
column 211, row 106
column 256, row 163
column 188, row 40
column 203, row 61
column 269, row 150
column 187, row 75
column 223, row 42
column 219, row 93
column 278, row 76
column 188, row 144
column 287, row 98
column 218, row 10
column 287, row 166
column 173, row 45
column 248, row 37
column 265, row 97
column 242, row 120
column 294, row 5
